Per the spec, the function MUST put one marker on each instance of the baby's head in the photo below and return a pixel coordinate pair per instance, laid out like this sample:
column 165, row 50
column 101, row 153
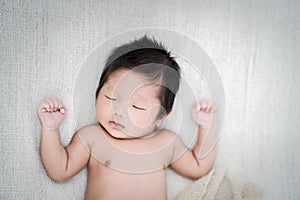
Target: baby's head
column 137, row 89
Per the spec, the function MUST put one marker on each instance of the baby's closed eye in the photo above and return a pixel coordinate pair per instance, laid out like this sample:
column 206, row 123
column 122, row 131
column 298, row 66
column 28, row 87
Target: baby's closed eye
column 139, row 107
column 110, row 98
column 136, row 106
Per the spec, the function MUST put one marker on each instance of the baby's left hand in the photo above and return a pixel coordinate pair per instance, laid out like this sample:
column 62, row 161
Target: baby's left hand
column 202, row 113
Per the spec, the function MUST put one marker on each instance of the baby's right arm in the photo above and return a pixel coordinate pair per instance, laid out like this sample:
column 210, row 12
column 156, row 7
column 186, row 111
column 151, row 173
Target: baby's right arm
column 60, row 162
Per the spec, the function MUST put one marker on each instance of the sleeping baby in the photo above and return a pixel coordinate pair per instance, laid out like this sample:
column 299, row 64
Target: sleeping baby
column 127, row 151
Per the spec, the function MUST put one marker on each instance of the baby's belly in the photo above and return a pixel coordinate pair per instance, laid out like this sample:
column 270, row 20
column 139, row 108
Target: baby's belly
column 109, row 184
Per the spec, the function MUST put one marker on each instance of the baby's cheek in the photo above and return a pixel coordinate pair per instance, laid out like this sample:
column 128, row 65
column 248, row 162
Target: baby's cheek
column 155, row 110
column 143, row 119
column 139, row 119
column 102, row 109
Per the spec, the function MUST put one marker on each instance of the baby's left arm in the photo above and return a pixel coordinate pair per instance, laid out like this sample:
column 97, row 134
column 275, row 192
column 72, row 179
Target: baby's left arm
column 190, row 164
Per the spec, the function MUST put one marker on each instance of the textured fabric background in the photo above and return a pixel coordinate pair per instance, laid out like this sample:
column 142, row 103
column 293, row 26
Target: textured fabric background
column 253, row 44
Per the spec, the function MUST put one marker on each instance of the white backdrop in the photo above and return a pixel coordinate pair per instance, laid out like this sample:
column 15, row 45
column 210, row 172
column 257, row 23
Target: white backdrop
column 254, row 46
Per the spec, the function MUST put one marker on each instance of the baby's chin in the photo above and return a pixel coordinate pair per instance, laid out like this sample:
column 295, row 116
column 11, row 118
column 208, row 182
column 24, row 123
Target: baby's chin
column 120, row 135
column 123, row 135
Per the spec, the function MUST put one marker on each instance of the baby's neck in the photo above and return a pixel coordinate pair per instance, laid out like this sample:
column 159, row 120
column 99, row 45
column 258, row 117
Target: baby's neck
column 153, row 133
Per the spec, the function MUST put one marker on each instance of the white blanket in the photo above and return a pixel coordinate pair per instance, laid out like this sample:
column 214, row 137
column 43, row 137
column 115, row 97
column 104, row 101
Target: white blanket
column 217, row 184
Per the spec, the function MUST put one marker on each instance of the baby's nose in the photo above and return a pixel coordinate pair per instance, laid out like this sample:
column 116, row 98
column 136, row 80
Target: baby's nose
column 119, row 110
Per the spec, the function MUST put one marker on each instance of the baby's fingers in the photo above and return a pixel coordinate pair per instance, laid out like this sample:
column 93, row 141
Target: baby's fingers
column 52, row 105
column 59, row 106
column 204, row 106
column 44, row 106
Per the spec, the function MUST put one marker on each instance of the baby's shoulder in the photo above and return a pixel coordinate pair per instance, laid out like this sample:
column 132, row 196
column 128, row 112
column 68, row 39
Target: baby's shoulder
column 89, row 129
column 172, row 138
column 169, row 137
column 167, row 134
column 87, row 134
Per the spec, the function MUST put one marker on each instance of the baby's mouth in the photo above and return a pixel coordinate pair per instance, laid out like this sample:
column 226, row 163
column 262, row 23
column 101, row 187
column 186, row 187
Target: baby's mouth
column 116, row 125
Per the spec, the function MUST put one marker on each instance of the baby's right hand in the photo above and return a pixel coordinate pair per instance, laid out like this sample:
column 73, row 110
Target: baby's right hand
column 52, row 113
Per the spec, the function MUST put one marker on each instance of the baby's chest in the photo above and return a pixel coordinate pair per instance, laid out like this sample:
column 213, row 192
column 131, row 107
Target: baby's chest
column 131, row 163
column 103, row 176
column 131, row 160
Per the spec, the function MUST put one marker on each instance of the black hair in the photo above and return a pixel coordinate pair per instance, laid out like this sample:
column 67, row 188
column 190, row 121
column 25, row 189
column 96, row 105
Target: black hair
column 150, row 58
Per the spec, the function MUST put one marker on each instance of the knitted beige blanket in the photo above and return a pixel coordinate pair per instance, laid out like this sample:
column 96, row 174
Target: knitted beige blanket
column 218, row 185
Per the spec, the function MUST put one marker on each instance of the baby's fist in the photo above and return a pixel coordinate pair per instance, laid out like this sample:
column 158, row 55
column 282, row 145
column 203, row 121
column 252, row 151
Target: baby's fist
column 202, row 113
column 51, row 113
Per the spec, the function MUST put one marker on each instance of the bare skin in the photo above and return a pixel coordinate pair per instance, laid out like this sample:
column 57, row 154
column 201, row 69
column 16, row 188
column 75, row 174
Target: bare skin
column 105, row 181
column 101, row 177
